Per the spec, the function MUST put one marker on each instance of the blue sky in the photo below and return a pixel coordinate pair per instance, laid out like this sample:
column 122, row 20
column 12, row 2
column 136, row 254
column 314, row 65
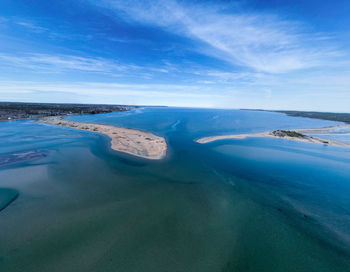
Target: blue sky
column 272, row 54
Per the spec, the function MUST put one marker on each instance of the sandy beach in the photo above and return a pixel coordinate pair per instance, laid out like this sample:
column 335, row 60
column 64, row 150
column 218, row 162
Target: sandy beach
column 295, row 135
column 326, row 130
column 132, row 141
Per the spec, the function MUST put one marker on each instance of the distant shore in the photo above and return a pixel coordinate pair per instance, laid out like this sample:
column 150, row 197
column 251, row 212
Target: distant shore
column 132, row 141
column 295, row 135
column 330, row 116
column 22, row 111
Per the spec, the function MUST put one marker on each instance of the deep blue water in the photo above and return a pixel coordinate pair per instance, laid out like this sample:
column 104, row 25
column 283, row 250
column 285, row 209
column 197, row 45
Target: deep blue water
column 258, row 204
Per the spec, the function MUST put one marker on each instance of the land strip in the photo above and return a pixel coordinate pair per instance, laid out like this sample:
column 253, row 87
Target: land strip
column 295, row 135
column 132, row 141
column 330, row 116
column 20, row 111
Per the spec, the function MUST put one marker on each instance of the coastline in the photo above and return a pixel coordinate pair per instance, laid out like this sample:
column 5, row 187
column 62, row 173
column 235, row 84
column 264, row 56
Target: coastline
column 14, row 111
column 295, row 135
column 131, row 141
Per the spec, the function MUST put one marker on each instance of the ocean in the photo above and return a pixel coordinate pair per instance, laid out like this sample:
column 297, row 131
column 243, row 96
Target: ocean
column 70, row 203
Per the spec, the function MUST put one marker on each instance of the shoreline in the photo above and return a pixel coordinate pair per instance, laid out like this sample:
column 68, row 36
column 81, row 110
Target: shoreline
column 134, row 142
column 26, row 111
column 294, row 135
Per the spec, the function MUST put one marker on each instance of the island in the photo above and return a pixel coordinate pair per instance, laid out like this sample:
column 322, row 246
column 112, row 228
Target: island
column 295, row 135
column 131, row 141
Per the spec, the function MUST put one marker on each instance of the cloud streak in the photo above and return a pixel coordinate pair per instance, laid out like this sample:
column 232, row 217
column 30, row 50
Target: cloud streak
column 262, row 42
column 115, row 89
column 62, row 63
column 110, row 93
column 31, row 26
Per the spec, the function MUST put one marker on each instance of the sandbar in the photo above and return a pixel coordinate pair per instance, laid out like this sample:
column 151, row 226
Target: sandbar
column 132, row 141
column 295, row 135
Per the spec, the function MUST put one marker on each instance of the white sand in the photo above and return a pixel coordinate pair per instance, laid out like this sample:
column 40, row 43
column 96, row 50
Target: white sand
column 306, row 138
column 132, row 141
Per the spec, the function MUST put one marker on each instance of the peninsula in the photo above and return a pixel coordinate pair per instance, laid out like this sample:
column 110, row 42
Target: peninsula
column 132, row 141
column 295, row 135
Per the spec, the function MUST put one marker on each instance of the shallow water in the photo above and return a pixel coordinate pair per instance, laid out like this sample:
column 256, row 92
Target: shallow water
column 257, row 204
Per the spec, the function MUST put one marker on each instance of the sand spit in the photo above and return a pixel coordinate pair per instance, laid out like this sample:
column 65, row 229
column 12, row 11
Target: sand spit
column 132, row 141
column 341, row 129
column 295, row 135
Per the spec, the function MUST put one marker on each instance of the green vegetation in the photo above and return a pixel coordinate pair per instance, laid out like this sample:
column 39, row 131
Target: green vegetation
column 288, row 133
column 331, row 116
column 15, row 111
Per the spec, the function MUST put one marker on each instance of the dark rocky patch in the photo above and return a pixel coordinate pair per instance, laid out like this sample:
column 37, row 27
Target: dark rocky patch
column 19, row 157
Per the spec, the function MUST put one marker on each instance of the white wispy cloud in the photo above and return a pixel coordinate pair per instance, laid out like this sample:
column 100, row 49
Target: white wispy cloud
column 263, row 42
column 62, row 63
column 97, row 92
column 299, row 91
column 98, row 88
column 31, row 26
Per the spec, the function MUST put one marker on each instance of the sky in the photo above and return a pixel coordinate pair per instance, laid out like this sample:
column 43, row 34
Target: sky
column 260, row 54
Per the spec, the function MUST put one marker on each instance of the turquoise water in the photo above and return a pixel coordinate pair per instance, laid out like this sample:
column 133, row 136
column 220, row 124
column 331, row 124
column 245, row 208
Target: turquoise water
column 257, row 204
